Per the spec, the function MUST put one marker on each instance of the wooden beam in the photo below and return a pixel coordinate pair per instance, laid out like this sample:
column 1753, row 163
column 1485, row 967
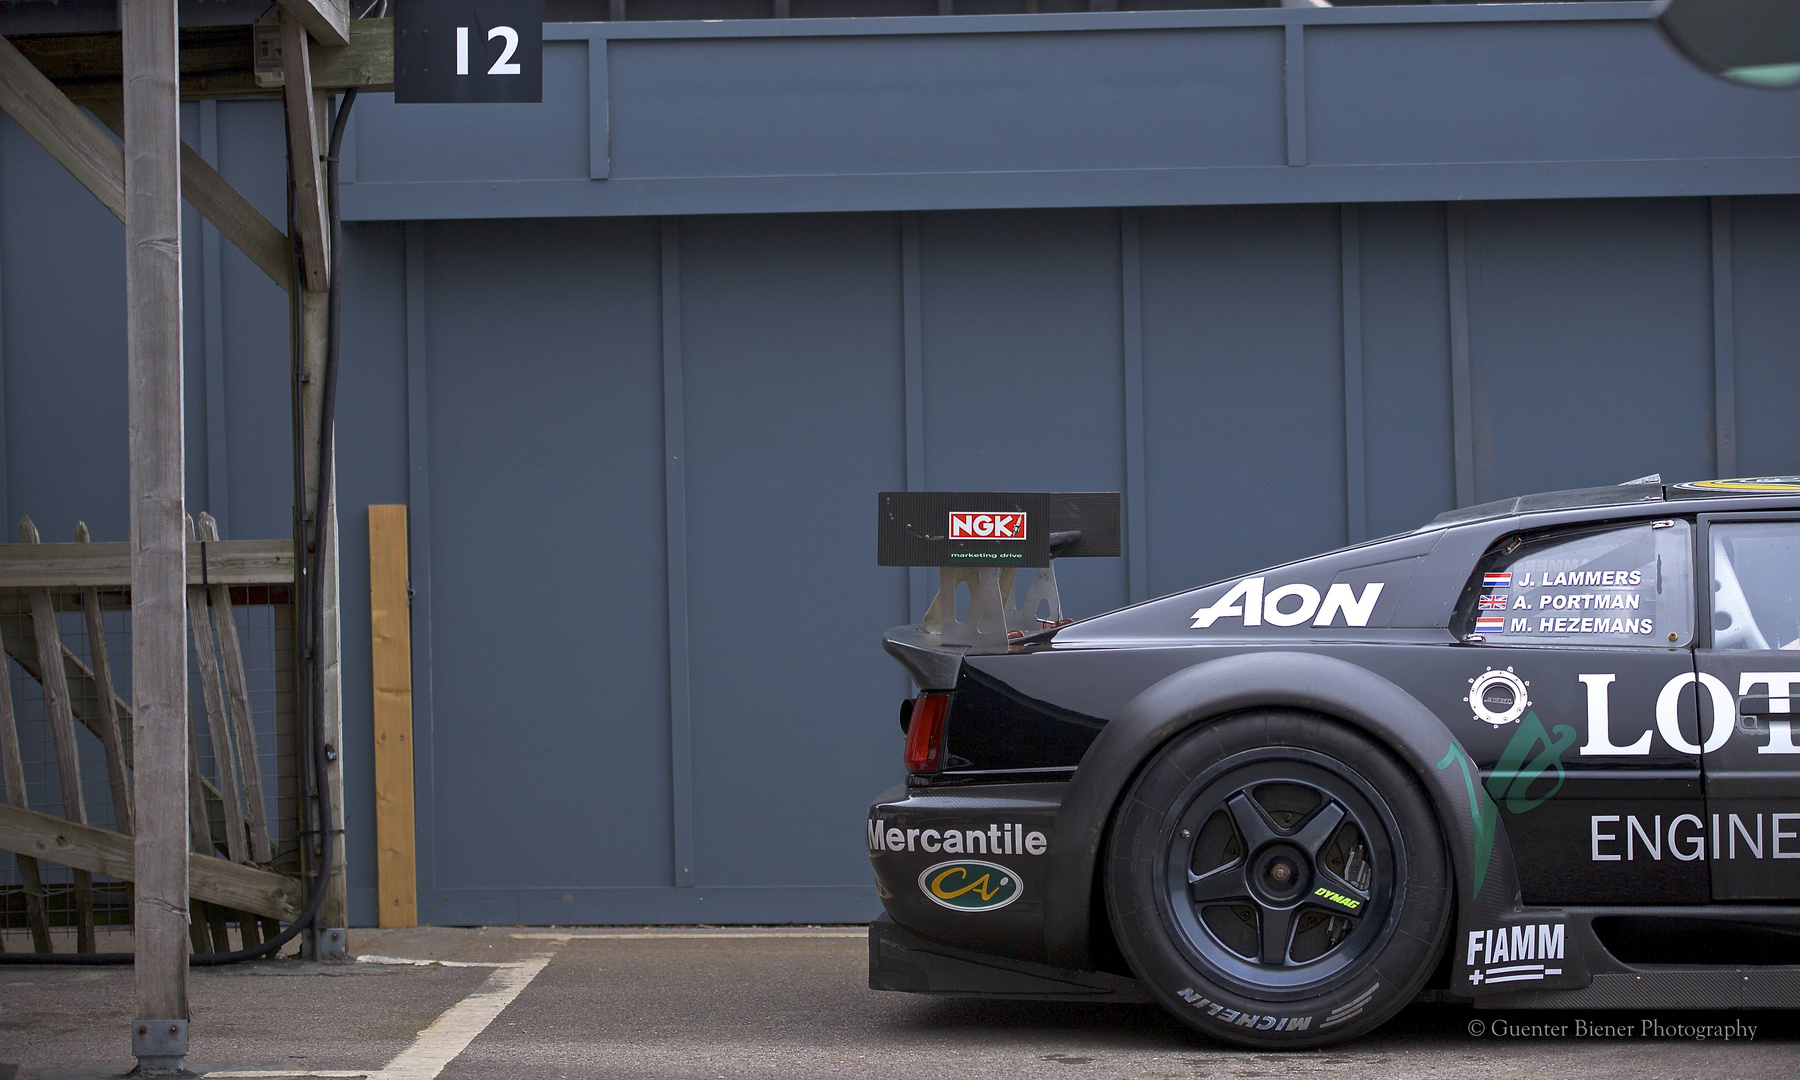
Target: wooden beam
column 102, row 851
column 117, row 771
column 304, row 153
column 99, row 163
column 237, row 218
column 367, row 63
column 216, row 61
column 390, row 638
column 218, row 724
column 326, row 20
column 58, row 125
column 227, row 562
column 237, row 687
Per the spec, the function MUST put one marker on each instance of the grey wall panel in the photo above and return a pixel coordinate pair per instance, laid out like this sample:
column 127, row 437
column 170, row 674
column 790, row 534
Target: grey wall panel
column 549, row 740
column 440, row 143
column 1525, row 91
column 1024, row 374
column 258, row 383
column 65, row 347
column 372, row 455
column 1406, row 366
column 791, row 350
column 1590, row 331
column 946, row 103
column 1243, row 389
column 1766, row 234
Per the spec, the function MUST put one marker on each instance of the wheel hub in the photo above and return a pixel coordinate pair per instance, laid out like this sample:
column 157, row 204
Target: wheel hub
column 1280, row 875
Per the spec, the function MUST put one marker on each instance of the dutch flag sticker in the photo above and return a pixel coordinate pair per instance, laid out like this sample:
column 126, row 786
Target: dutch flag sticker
column 1490, row 622
column 1496, row 581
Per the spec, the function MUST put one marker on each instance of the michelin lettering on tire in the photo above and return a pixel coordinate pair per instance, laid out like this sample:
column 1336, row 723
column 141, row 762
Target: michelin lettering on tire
column 971, row 885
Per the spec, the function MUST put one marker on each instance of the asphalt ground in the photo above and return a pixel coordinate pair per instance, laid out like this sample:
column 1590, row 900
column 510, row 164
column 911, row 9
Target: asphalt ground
column 747, row 1002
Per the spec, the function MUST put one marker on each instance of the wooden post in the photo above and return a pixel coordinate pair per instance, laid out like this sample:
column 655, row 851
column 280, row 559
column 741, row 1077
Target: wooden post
column 12, row 771
column 61, row 718
column 158, row 541
column 390, row 636
column 307, row 125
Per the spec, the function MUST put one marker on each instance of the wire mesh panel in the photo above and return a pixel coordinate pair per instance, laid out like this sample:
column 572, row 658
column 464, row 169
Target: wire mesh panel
column 264, row 618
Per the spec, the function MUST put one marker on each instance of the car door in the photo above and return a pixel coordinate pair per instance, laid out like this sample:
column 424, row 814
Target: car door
column 1749, row 674
column 1576, row 702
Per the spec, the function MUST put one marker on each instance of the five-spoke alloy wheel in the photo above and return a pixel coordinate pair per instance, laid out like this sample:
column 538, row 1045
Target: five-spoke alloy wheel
column 1277, row 879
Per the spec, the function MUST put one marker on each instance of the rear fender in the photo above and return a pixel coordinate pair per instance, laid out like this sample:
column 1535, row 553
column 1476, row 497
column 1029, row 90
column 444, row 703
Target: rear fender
column 1486, row 875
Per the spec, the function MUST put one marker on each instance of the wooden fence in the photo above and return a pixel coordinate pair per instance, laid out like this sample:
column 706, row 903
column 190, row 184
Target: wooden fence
column 248, row 859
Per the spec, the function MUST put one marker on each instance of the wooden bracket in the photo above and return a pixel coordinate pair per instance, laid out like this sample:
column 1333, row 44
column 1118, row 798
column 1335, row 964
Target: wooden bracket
column 326, row 20
column 305, row 150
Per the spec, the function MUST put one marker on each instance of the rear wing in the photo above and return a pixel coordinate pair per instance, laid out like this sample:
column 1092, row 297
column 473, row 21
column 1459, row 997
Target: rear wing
column 982, row 540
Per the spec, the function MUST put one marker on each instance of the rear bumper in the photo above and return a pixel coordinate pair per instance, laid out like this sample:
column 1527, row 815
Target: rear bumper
column 902, row 960
column 968, row 865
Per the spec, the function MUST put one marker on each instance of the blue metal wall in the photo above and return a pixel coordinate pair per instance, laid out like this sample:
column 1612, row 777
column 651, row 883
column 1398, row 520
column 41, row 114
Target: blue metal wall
column 1205, row 259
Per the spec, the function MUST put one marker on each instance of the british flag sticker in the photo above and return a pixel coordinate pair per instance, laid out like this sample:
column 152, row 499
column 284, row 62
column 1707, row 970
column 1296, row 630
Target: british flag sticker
column 1493, row 602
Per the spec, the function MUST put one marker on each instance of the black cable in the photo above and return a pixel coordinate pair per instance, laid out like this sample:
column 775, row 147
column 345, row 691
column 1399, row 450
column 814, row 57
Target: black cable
column 315, row 621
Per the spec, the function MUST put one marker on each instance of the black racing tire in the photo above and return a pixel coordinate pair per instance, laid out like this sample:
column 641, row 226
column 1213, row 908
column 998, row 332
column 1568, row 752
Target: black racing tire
column 1278, row 879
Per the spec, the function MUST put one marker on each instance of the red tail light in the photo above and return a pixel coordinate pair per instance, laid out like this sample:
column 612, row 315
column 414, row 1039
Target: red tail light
column 925, row 735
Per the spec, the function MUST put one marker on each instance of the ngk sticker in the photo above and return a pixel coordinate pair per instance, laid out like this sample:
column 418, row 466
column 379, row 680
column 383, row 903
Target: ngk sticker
column 970, row 525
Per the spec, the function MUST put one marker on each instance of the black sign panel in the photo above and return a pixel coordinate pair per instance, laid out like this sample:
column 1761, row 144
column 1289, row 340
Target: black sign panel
column 468, row 51
column 995, row 528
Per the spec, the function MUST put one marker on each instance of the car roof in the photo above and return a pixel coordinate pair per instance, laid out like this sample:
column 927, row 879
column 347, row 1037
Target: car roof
column 1649, row 489
column 1635, row 492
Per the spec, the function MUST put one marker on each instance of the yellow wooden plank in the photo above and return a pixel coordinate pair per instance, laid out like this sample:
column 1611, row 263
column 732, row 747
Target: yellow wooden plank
column 390, row 628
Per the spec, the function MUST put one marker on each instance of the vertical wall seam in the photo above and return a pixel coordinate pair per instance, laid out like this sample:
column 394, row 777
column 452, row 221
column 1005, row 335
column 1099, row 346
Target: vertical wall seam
column 1462, row 403
column 5, row 427
column 912, row 336
column 212, row 309
column 681, row 765
column 1295, row 87
column 1131, row 310
column 1725, row 449
column 418, row 553
column 1356, row 503
column 599, row 111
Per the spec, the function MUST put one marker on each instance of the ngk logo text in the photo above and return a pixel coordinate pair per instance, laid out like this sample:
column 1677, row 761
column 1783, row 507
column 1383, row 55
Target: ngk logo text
column 971, row 525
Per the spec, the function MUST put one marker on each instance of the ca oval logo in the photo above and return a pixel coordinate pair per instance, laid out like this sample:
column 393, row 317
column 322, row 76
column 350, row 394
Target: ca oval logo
column 971, row 885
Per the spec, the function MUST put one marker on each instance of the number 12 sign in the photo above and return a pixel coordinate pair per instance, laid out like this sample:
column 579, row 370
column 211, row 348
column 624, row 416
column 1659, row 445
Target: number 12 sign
column 468, row 51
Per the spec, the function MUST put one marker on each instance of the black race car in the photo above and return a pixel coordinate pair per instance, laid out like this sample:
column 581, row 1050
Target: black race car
column 1536, row 754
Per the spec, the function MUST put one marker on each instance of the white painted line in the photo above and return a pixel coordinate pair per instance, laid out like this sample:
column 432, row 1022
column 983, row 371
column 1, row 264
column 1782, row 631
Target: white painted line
column 281, row 1075
column 451, row 1033
column 408, row 962
column 664, row 935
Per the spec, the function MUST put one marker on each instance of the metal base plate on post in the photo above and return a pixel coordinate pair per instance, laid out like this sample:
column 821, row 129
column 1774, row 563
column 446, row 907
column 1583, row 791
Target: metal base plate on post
column 333, row 944
column 160, row 1046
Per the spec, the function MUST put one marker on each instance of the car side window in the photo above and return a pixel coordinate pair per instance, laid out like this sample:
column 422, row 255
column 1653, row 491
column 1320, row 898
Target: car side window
column 1630, row 585
column 1756, row 585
